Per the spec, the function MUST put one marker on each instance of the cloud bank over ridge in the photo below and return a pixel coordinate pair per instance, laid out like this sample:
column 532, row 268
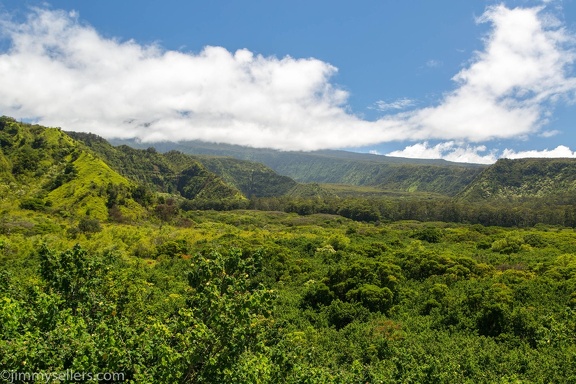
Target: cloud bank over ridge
column 465, row 153
column 59, row 71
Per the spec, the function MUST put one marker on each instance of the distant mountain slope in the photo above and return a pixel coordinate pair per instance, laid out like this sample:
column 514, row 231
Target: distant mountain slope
column 341, row 167
column 253, row 179
column 520, row 179
column 191, row 176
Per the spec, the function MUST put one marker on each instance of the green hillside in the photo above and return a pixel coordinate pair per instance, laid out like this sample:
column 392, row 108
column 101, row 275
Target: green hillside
column 524, row 179
column 46, row 170
column 144, row 166
column 341, row 167
column 173, row 171
column 253, row 179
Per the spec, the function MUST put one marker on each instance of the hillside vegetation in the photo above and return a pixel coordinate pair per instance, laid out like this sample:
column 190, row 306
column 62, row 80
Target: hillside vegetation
column 340, row 167
column 524, row 179
column 46, row 170
column 173, row 173
column 251, row 178
column 160, row 268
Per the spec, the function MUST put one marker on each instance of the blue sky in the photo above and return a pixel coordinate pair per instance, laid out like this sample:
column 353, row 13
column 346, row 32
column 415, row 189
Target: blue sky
column 462, row 80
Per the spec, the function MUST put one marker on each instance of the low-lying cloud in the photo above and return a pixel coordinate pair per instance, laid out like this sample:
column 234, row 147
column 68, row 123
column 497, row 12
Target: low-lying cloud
column 559, row 151
column 450, row 151
column 61, row 72
column 465, row 153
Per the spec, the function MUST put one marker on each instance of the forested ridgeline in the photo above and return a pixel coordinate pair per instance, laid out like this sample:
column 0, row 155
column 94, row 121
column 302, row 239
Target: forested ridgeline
column 82, row 174
column 342, row 167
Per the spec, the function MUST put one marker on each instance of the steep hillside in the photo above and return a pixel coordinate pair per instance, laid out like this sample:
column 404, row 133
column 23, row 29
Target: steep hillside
column 341, row 167
column 164, row 170
column 144, row 166
column 43, row 169
column 253, row 179
column 175, row 173
column 521, row 179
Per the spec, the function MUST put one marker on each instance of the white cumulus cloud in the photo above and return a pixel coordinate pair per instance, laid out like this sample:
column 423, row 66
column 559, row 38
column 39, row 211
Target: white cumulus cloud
column 462, row 153
column 449, row 150
column 62, row 73
column 559, row 151
column 59, row 71
column 509, row 87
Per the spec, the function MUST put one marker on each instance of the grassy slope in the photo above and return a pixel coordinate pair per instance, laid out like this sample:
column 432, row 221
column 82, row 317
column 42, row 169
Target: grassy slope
column 164, row 171
column 49, row 170
column 86, row 194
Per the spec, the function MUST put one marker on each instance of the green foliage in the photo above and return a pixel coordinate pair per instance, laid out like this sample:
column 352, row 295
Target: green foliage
column 182, row 304
column 72, row 275
column 173, row 248
column 522, row 179
column 340, row 314
column 34, row 204
column 25, row 159
column 371, row 283
column 340, row 167
column 99, row 272
column 89, row 225
column 317, row 294
column 226, row 316
column 429, row 234
column 371, row 296
column 507, row 245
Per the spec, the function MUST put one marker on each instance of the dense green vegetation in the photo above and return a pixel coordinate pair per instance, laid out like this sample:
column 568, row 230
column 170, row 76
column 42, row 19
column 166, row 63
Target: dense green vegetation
column 252, row 179
column 340, row 167
column 250, row 296
column 525, row 179
column 109, row 264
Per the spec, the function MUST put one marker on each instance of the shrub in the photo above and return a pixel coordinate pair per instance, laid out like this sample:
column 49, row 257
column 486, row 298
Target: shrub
column 89, row 225
column 429, row 234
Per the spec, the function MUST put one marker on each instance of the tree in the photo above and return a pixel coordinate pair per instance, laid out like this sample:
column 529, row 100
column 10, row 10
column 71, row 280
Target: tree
column 72, row 274
column 89, row 225
column 225, row 319
column 167, row 211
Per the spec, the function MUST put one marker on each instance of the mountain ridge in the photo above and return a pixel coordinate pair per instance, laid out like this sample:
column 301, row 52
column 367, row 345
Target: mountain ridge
column 84, row 174
column 521, row 179
column 341, row 167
